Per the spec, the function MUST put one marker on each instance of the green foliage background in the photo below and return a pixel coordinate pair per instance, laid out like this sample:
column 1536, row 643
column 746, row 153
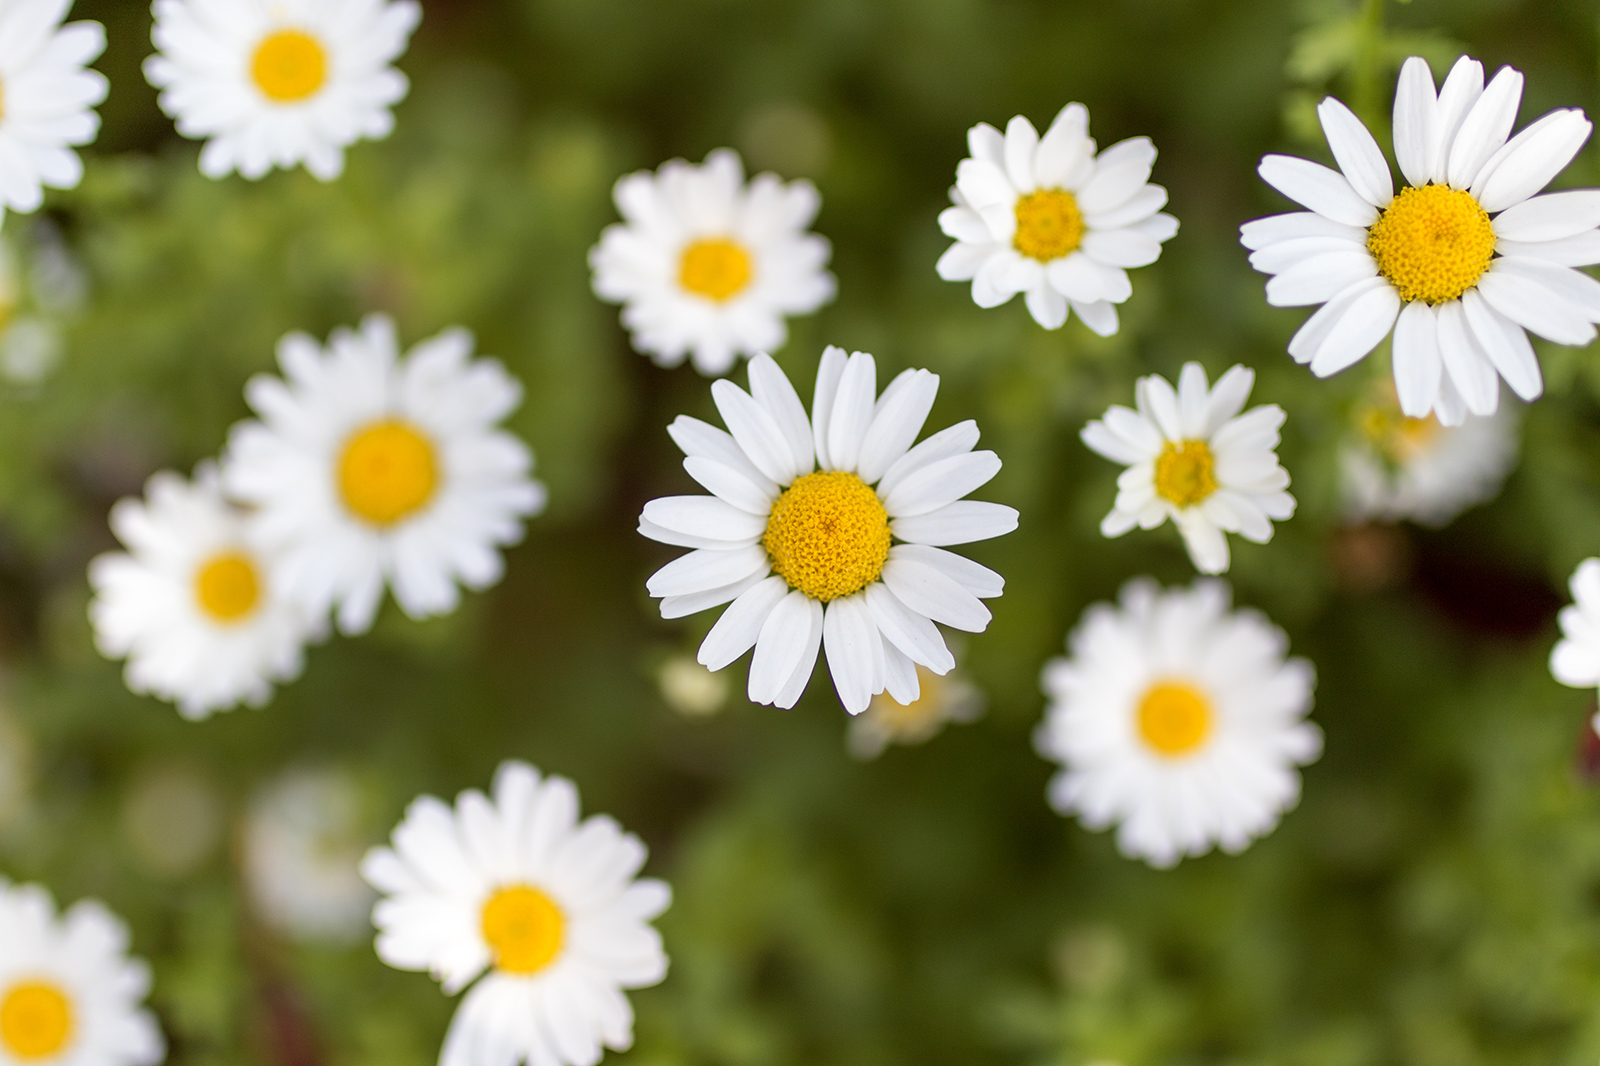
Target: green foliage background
column 1434, row 900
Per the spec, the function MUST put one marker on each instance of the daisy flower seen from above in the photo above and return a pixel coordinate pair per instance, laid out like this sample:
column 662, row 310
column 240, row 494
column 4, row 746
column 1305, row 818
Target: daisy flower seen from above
column 1179, row 721
column 1460, row 264
column 278, row 83
column 368, row 468
column 1192, row 457
column 1575, row 660
column 707, row 266
column 196, row 604
column 69, row 993
column 1048, row 217
column 552, row 908
column 799, row 531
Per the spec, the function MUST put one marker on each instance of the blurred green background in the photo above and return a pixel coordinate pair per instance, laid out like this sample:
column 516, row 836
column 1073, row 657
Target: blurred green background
column 1434, row 900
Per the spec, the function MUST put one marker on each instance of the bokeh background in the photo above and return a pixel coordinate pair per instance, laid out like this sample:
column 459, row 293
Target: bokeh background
column 1434, row 900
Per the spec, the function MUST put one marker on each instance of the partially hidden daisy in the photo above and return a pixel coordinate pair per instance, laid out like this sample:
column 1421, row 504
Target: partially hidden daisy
column 368, row 468
column 278, row 83
column 1460, row 264
column 196, row 604
column 69, row 993
column 1192, row 457
column 799, row 531
column 1575, row 660
column 709, row 267
column 552, row 908
column 1179, row 721
column 300, row 849
column 942, row 700
column 1050, row 218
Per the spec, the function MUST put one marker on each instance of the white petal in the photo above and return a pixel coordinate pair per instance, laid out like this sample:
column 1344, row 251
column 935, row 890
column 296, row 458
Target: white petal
column 912, row 633
column 728, row 484
column 1361, row 329
column 1469, row 368
column 1320, row 278
column 1505, row 344
column 954, row 440
column 1022, row 141
column 1416, row 121
column 1308, row 338
column 854, row 650
column 829, row 373
column 1462, row 88
column 1583, row 249
column 781, row 645
column 1313, row 185
column 1531, row 160
column 1295, row 225
column 1550, row 217
column 1416, row 359
column 974, row 577
column 941, row 483
column 704, row 517
column 736, row 631
column 1485, row 128
column 929, row 592
column 895, row 426
column 706, row 569
column 1535, row 308
column 771, row 389
column 961, row 522
column 758, row 434
column 852, row 411
column 1357, row 154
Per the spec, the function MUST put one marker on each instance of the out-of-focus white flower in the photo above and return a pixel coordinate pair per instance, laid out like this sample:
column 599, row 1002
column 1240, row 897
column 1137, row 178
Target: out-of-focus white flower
column 691, row 689
column 1575, row 660
column 304, row 838
column 944, row 699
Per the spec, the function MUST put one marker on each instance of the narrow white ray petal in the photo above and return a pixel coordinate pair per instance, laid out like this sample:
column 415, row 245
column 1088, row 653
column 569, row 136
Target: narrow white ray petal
column 736, row 631
column 929, row 592
column 974, row 577
column 1462, row 88
column 912, row 633
column 1583, row 249
column 1416, row 121
column 1464, row 360
column 1416, row 359
column 771, row 388
column 694, row 603
column 1506, row 345
column 1531, row 160
column 781, row 646
column 961, row 522
column 1296, row 225
column 1535, row 307
column 703, row 516
column 706, row 569
column 1286, row 255
column 1320, row 278
column 941, row 483
column 681, row 539
column 1309, row 337
column 954, row 440
column 1227, row 398
column 899, row 674
column 1313, row 185
column 895, row 426
column 1193, row 391
column 854, row 650
column 1358, row 155
column 852, row 411
column 1361, row 329
column 1574, row 286
column 741, row 490
column 1022, row 141
column 1485, row 128
column 759, row 437
column 1550, row 217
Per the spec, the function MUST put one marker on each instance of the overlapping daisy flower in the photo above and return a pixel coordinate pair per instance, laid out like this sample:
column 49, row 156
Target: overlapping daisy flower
column 946, row 699
column 1192, row 457
column 800, row 528
column 550, row 907
column 1179, row 721
column 196, row 604
column 1050, row 218
column 368, row 469
column 1575, row 660
column 1460, row 264
column 278, row 83
column 708, row 267
column 69, row 993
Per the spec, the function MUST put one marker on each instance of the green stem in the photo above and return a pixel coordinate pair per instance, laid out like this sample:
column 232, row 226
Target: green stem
column 1367, row 74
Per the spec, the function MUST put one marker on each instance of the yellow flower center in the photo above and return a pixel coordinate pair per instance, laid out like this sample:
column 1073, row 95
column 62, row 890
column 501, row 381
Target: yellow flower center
column 1186, row 472
column 35, row 1020
column 227, row 587
column 715, row 268
column 289, row 66
column 1432, row 242
column 1174, row 718
column 388, row 471
column 1049, row 224
column 524, row 929
column 923, row 715
column 828, row 535
column 1397, row 437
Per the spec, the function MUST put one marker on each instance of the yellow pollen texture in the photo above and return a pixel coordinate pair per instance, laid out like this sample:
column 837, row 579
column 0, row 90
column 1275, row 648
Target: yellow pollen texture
column 1433, row 243
column 1049, row 224
column 35, row 1020
column 828, row 535
column 1186, row 472
column 524, row 929
column 1174, row 719
column 227, row 587
column 387, row 472
column 289, row 66
column 716, row 268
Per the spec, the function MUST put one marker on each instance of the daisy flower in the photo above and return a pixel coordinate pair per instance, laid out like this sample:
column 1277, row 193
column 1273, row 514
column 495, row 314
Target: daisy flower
column 69, row 993
column 798, row 532
column 301, row 847
column 196, row 604
column 707, row 266
column 1179, row 721
column 368, row 468
column 277, row 83
column 951, row 698
column 1193, row 458
column 1048, row 217
column 47, row 99
column 1460, row 264
column 551, row 907
column 1575, row 660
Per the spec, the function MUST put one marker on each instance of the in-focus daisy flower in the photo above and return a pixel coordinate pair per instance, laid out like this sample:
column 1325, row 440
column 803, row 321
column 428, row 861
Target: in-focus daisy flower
column 1047, row 217
column 1458, row 264
column 549, row 906
column 370, row 468
column 946, row 699
column 1179, row 721
column 1192, row 457
column 69, row 993
column 709, row 267
column 1575, row 660
column 197, row 604
column 302, row 847
column 799, row 531
column 47, row 97
column 277, row 83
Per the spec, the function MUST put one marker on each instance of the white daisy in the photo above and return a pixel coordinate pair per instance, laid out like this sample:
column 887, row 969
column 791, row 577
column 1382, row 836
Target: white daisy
column 1458, row 264
column 277, row 83
column 1575, row 660
column 197, row 604
column 47, row 97
column 1193, row 458
column 368, row 468
column 708, row 266
column 551, row 907
column 951, row 698
column 69, row 993
column 302, row 847
column 798, row 531
column 1179, row 721
column 1048, row 217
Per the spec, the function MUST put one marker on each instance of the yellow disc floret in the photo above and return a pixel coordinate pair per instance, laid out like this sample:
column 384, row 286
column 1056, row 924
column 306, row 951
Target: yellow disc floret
column 1174, row 718
column 227, row 587
column 289, row 66
column 716, row 268
column 1049, row 224
column 524, row 929
column 828, row 535
column 1186, row 472
column 36, row 1020
column 388, row 471
column 1433, row 243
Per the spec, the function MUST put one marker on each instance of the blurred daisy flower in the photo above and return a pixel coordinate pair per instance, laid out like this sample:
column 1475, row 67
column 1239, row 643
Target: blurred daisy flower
column 691, row 689
column 1047, row 217
column 1179, row 721
column 798, row 532
column 551, row 907
column 196, row 605
column 708, row 266
column 1192, row 457
column 1575, row 660
column 302, row 846
column 277, row 83
column 1460, row 264
column 370, row 469
column 946, row 699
